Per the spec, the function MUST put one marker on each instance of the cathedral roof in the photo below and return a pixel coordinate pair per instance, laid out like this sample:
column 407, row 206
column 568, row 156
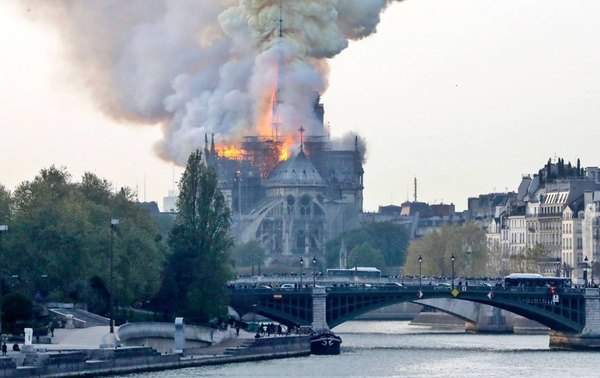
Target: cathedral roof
column 297, row 171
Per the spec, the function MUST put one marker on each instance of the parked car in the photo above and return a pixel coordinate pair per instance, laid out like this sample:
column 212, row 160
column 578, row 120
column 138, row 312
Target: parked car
column 287, row 286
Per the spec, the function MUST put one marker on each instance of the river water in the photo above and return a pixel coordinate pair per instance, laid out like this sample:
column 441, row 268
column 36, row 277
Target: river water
column 396, row 349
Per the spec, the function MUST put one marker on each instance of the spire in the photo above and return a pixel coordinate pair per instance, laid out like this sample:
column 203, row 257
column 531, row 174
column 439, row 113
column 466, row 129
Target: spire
column 280, row 19
column 301, row 130
column 212, row 144
column 415, row 188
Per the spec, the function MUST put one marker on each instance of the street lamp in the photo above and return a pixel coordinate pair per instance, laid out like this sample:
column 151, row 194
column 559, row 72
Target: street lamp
column 3, row 228
column 469, row 253
column 585, row 260
column 301, row 264
column 557, row 266
column 452, row 258
column 113, row 224
column 420, row 271
column 592, row 273
column 314, row 271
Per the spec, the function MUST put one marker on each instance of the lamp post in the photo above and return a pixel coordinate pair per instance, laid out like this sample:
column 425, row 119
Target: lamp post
column 113, row 224
column 301, row 264
column 3, row 228
column 420, row 272
column 557, row 266
column 469, row 253
column 585, row 260
column 592, row 273
column 314, row 271
column 452, row 258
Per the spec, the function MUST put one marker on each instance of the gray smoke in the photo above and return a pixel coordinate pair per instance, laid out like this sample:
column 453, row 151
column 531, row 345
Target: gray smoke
column 206, row 66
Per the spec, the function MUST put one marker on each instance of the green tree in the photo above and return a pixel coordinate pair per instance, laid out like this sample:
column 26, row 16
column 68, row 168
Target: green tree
column 529, row 260
column 60, row 236
column 5, row 204
column 198, row 267
column 17, row 311
column 466, row 243
column 389, row 238
column 365, row 255
column 250, row 254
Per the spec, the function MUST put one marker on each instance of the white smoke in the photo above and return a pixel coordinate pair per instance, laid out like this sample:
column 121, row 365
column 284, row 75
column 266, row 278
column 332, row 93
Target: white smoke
column 205, row 66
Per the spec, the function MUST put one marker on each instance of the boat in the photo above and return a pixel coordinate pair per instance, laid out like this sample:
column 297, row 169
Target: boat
column 325, row 343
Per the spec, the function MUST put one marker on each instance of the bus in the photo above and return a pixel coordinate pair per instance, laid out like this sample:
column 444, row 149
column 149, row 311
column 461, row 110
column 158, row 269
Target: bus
column 531, row 280
column 359, row 271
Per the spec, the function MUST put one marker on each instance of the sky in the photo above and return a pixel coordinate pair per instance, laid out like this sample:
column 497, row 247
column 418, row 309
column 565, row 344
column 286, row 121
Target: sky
column 466, row 96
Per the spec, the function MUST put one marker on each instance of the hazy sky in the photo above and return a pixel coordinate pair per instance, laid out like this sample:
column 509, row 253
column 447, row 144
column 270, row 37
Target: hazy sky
column 465, row 95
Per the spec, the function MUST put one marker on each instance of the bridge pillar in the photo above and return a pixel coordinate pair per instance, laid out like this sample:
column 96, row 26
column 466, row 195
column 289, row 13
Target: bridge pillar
column 589, row 338
column 489, row 320
column 319, row 306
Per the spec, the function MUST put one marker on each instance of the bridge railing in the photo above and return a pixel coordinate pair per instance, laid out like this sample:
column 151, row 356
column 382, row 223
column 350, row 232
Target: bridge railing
column 354, row 286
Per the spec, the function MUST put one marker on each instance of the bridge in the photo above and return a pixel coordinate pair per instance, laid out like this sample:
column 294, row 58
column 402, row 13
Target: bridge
column 572, row 314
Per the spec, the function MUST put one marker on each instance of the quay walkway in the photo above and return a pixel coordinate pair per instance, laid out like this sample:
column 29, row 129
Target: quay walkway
column 78, row 352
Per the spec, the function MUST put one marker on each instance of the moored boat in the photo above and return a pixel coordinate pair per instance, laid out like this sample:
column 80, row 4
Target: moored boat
column 325, row 343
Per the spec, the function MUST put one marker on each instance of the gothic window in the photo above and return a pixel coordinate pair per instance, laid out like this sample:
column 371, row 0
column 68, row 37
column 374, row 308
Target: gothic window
column 305, row 205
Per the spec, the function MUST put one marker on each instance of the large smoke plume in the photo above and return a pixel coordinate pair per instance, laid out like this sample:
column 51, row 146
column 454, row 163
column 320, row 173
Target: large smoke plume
column 206, row 66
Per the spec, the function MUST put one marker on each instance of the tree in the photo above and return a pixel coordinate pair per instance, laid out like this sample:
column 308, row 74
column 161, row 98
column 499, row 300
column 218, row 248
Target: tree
column 17, row 310
column 59, row 240
column 389, row 238
column 365, row 255
column 249, row 254
column 198, row 267
column 467, row 243
column 5, row 203
column 529, row 260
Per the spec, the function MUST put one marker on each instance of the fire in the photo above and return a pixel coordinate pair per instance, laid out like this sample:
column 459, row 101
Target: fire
column 228, row 151
column 284, row 153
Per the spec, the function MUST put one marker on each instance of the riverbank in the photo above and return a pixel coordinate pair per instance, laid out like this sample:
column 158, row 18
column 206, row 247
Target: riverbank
column 68, row 360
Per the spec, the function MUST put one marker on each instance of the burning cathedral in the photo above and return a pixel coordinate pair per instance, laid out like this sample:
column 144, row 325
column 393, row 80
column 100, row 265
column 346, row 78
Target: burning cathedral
column 289, row 185
column 227, row 76
column 292, row 202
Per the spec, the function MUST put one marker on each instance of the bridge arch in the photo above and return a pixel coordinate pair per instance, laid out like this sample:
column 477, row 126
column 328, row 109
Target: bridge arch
column 343, row 304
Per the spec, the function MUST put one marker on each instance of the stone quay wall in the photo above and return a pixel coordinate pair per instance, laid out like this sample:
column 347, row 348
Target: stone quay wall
column 98, row 362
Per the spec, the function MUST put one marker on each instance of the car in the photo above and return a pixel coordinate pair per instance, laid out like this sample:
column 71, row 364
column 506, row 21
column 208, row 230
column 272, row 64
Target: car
column 266, row 287
column 443, row 286
column 392, row 285
column 287, row 286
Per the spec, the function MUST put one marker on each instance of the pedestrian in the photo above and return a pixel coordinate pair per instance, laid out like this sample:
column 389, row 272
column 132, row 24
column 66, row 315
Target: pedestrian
column 52, row 329
column 4, row 349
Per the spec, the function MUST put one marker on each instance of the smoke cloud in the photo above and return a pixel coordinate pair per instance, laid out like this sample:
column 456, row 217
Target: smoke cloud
column 206, row 66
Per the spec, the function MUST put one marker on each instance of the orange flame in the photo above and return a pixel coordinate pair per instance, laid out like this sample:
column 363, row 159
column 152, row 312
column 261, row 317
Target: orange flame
column 228, row 151
column 284, row 153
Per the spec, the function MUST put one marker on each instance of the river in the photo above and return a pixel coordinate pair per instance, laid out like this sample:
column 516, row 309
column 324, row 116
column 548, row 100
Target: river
column 396, row 349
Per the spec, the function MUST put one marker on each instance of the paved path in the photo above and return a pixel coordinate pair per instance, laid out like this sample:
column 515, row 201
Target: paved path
column 80, row 338
column 93, row 337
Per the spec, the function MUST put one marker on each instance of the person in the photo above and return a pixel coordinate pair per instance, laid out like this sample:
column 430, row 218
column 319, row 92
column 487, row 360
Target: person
column 4, row 349
column 52, row 329
column 16, row 347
